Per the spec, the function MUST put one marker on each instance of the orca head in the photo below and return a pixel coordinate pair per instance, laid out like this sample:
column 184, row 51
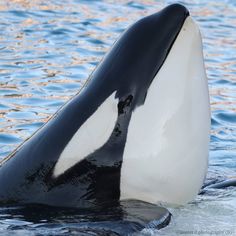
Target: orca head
column 147, row 136
column 121, row 82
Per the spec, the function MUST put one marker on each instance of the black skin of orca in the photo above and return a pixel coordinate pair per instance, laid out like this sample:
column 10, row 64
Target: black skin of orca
column 128, row 69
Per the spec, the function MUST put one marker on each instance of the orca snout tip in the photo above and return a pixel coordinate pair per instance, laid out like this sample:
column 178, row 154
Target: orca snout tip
column 178, row 8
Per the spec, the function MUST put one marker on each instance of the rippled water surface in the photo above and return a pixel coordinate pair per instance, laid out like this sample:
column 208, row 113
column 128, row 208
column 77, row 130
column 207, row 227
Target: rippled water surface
column 49, row 48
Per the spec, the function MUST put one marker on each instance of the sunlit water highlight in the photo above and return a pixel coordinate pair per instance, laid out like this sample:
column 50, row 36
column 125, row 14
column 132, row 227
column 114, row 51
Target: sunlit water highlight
column 47, row 51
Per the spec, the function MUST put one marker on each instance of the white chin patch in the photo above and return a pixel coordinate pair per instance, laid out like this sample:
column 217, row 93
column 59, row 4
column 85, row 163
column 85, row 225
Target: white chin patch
column 166, row 152
column 92, row 135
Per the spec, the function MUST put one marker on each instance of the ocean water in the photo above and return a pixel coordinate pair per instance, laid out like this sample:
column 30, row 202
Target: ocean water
column 49, row 48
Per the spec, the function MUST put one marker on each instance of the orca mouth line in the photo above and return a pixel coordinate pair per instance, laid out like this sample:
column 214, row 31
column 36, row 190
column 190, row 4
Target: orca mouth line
column 187, row 14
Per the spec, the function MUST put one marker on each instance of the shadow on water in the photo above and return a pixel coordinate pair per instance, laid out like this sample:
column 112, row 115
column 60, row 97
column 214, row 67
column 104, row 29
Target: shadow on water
column 125, row 218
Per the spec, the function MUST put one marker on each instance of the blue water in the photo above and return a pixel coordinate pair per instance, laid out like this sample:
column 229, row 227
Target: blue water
column 49, row 48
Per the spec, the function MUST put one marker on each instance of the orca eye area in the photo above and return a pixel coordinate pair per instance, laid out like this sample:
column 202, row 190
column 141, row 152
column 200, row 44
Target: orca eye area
column 125, row 104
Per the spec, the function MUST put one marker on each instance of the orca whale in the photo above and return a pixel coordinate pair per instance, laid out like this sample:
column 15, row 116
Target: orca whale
column 138, row 129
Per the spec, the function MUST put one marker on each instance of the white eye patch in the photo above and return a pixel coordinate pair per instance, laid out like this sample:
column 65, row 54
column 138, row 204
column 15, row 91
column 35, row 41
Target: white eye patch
column 92, row 135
